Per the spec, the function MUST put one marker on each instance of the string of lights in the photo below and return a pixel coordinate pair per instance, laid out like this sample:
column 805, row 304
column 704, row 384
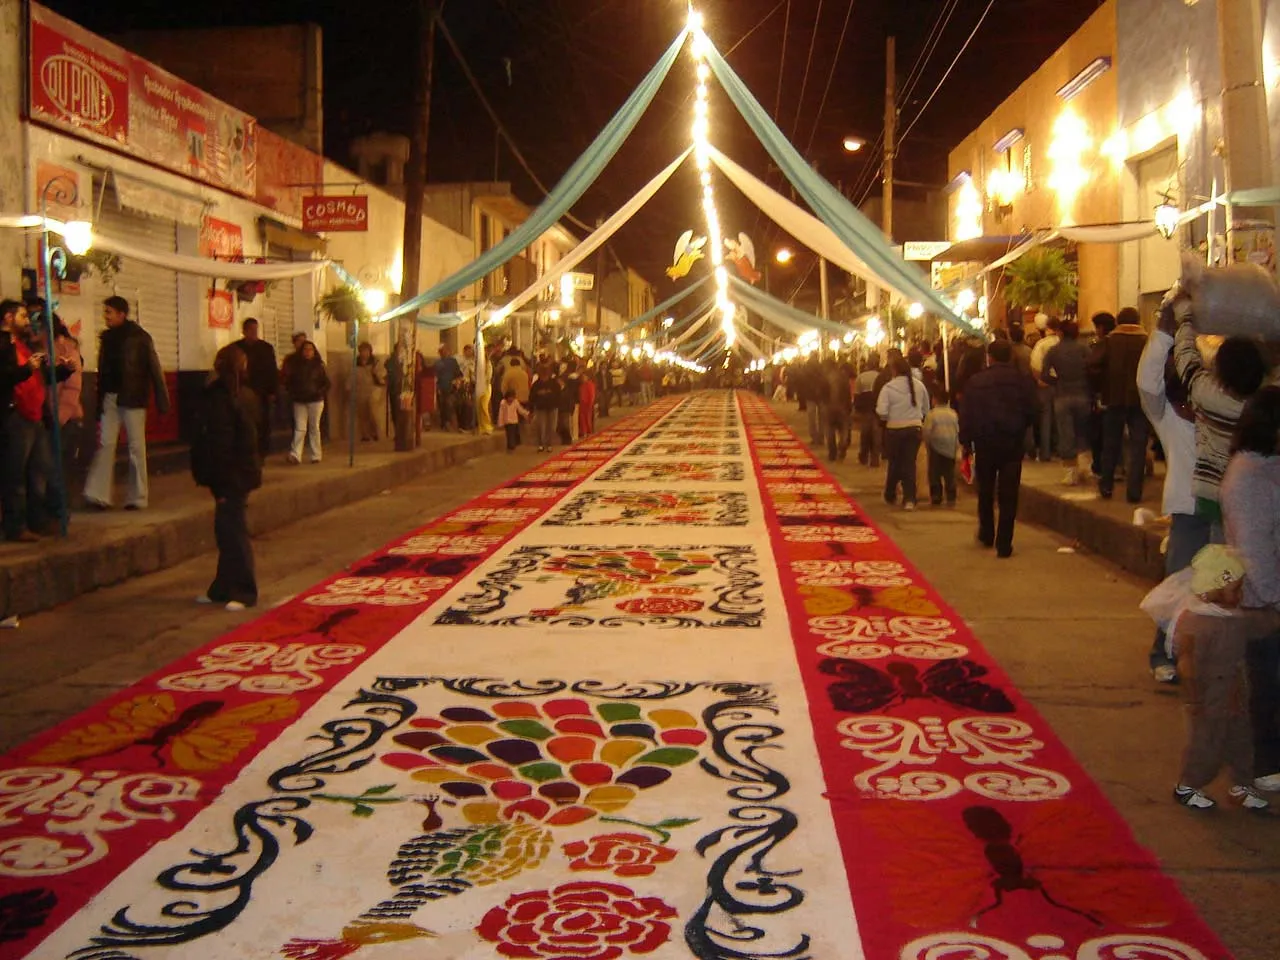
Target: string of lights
column 699, row 46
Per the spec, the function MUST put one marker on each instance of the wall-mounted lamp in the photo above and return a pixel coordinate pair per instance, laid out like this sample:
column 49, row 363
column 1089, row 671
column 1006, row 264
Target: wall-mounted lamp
column 1167, row 216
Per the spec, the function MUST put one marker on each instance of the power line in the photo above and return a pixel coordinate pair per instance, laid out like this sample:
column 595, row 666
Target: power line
column 782, row 62
column 916, row 74
column 968, row 40
column 926, row 52
column 830, row 77
column 804, row 83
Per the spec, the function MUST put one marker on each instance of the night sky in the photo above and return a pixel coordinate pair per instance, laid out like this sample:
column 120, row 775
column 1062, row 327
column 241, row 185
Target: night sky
column 556, row 70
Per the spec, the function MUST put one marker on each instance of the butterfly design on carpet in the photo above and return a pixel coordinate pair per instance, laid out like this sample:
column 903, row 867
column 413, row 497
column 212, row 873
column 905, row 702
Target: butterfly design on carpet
column 201, row 737
column 862, row 688
column 1058, row 859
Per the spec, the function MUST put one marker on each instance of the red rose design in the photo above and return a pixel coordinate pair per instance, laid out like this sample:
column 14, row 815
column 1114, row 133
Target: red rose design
column 626, row 854
column 659, row 606
column 577, row 921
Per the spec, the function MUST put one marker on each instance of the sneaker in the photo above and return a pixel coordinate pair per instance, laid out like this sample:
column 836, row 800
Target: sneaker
column 908, row 506
column 204, row 598
column 1169, row 674
column 1193, row 798
column 292, row 460
column 235, row 606
column 1270, row 783
column 1249, row 798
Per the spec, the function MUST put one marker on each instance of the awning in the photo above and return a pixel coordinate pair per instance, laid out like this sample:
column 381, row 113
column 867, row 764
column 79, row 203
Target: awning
column 291, row 238
column 980, row 249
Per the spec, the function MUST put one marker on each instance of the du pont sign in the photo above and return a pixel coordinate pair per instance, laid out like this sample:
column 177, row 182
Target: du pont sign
column 95, row 90
column 335, row 214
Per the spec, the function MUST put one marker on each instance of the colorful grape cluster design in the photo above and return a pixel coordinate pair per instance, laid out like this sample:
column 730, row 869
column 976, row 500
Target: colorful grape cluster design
column 558, row 763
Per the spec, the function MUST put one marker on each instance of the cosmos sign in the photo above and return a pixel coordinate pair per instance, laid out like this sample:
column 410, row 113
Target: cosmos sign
column 335, row 214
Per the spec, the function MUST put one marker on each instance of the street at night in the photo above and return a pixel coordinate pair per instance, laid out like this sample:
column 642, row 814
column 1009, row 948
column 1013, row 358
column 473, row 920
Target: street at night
column 589, row 480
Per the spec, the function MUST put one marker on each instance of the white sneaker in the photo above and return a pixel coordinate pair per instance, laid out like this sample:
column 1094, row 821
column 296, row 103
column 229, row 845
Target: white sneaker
column 203, row 598
column 1270, row 783
column 908, row 506
column 1168, row 674
column 1193, row 798
column 235, row 606
column 1249, row 798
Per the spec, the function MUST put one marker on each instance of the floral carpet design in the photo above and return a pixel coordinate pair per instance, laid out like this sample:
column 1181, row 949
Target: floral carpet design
column 421, row 757
column 626, row 508
column 674, row 471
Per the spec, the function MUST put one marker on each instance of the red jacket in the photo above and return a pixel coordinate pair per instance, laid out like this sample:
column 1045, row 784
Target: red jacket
column 28, row 396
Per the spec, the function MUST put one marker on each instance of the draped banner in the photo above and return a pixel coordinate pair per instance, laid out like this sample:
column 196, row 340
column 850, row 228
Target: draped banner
column 853, row 229
column 597, row 238
column 584, row 172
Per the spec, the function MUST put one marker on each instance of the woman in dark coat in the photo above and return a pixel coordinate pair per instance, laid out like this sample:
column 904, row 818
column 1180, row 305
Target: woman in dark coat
column 224, row 458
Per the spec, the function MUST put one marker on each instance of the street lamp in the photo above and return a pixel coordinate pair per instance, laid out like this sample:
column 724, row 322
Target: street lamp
column 784, row 255
column 77, row 238
column 853, row 144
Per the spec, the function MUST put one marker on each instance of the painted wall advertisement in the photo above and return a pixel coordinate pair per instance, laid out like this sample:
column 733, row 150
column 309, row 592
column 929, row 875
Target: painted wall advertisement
column 86, row 86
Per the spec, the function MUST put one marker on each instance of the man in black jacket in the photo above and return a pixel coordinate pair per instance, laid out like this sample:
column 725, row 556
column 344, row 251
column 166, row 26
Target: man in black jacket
column 128, row 370
column 998, row 406
column 263, row 379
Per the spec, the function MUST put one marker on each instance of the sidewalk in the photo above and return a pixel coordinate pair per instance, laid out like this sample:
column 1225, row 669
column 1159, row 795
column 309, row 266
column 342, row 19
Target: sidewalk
column 1101, row 527
column 106, row 548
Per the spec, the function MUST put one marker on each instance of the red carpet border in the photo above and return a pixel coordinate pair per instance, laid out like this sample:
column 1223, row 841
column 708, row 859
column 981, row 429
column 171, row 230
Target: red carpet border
column 83, row 800
column 969, row 832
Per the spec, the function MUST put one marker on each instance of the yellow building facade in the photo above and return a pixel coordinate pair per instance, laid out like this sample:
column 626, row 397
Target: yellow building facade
column 1047, row 157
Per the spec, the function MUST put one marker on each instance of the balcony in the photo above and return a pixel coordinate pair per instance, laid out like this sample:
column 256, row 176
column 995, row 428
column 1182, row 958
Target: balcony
column 513, row 277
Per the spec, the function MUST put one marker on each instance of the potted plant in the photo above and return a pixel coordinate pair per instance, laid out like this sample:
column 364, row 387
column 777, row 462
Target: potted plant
column 1041, row 280
column 343, row 305
column 106, row 265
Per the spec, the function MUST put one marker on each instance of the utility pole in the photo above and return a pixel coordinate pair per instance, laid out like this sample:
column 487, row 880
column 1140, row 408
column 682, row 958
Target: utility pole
column 890, row 133
column 599, row 285
column 407, row 423
column 1244, row 112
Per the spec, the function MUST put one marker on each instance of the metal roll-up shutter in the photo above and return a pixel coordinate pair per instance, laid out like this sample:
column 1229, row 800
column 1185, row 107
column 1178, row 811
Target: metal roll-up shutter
column 152, row 291
column 277, row 317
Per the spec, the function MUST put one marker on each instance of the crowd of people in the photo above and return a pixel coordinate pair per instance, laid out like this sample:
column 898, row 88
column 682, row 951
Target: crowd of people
column 1105, row 407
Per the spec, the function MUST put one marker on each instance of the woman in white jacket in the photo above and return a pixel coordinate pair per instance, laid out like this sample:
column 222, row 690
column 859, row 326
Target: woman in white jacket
column 902, row 405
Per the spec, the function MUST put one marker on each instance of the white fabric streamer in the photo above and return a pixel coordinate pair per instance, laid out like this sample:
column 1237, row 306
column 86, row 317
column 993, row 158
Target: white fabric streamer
column 598, row 238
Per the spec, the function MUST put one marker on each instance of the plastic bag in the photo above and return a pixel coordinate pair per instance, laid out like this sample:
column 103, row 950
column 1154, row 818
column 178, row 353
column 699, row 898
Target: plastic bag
column 1168, row 598
column 966, row 468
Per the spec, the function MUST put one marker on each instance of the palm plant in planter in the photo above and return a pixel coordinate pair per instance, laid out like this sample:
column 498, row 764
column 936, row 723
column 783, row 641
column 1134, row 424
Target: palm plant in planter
column 1041, row 279
column 343, row 305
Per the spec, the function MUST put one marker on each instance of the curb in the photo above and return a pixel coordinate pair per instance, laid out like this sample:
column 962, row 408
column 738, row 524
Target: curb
column 69, row 570
column 1135, row 550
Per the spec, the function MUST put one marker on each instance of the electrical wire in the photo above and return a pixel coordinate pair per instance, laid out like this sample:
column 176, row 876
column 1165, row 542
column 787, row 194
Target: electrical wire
column 497, row 122
column 830, row 76
column 968, row 40
column 782, row 63
column 867, row 178
column 804, row 83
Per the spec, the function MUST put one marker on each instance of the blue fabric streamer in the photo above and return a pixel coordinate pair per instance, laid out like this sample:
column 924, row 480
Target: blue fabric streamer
column 584, row 172
column 853, row 229
column 667, row 304
column 779, row 311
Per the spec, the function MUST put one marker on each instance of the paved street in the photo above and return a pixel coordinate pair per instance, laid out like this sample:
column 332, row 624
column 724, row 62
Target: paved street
column 1084, row 673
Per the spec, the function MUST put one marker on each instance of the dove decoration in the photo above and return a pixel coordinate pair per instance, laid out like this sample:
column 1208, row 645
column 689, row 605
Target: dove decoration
column 742, row 254
column 688, row 252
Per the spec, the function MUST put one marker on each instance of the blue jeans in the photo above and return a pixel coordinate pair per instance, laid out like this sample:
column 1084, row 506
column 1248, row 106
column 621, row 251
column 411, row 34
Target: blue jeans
column 1114, row 422
column 1187, row 535
column 1071, row 413
column 29, row 493
column 1045, row 396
